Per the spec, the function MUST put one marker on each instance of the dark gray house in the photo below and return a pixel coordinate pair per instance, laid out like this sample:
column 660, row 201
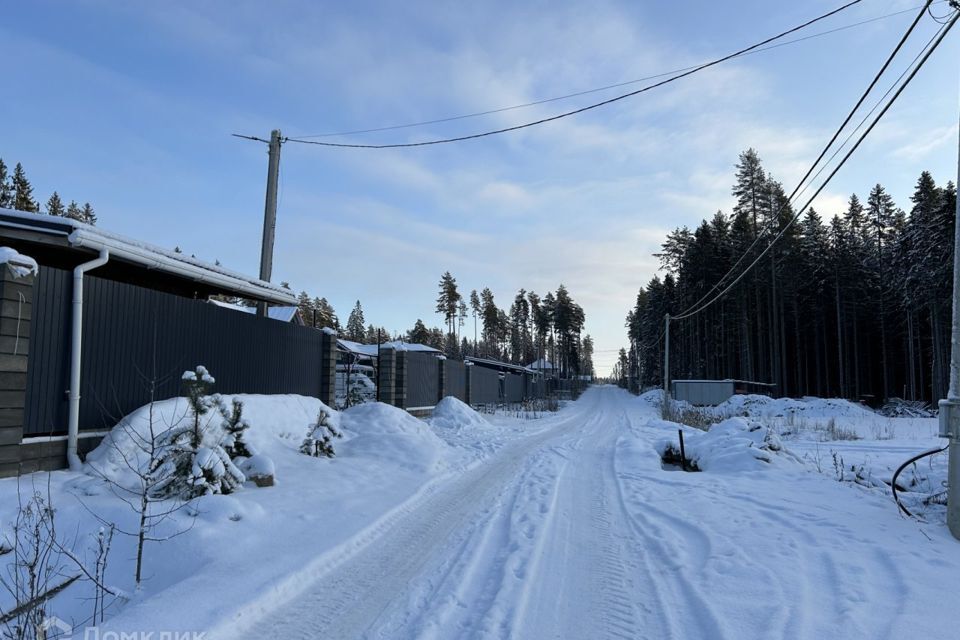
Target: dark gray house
column 104, row 315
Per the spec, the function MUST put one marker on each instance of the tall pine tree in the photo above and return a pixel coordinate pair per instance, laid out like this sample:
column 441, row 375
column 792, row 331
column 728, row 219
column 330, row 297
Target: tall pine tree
column 23, row 191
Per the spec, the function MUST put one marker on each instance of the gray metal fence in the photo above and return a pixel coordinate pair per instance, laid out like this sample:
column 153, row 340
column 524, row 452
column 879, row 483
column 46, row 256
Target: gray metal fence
column 423, row 379
column 513, row 387
column 484, row 386
column 536, row 386
column 132, row 334
column 455, row 379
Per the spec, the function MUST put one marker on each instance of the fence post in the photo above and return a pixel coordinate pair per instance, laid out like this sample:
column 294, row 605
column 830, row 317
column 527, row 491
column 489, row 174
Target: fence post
column 468, row 385
column 400, row 388
column 16, row 302
column 442, row 379
column 387, row 374
column 328, row 367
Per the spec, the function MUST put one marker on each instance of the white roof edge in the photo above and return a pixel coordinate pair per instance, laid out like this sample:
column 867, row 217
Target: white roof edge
column 153, row 257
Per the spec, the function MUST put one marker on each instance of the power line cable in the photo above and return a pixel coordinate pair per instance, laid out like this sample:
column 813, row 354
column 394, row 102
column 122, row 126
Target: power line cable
column 942, row 34
column 941, row 19
column 586, row 108
column 687, row 312
column 597, row 89
column 797, row 191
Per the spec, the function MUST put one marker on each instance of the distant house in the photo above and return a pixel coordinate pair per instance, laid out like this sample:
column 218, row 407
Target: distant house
column 367, row 353
column 283, row 313
column 542, row 365
column 713, row 392
column 400, row 345
column 503, row 367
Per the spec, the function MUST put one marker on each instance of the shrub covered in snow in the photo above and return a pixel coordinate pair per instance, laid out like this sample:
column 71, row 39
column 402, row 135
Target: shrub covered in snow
column 234, row 426
column 197, row 458
column 736, row 444
column 319, row 440
column 187, row 471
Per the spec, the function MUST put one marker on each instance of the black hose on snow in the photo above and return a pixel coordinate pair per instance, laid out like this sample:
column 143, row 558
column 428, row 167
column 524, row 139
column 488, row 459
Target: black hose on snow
column 893, row 482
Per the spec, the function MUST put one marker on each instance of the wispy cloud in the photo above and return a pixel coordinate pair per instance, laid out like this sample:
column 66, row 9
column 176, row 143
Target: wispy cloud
column 584, row 201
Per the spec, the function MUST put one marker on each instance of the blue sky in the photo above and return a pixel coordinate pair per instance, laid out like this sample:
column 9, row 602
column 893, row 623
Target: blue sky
column 131, row 106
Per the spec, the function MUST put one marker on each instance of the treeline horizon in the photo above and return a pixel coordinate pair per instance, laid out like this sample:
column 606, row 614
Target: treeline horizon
column 16, row 192
column 533, row 327
column 857, row 307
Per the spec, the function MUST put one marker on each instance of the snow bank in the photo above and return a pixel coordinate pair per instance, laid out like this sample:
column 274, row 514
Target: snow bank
column 225, row 564
column 450, row 413
column 19, row 264
column 653, row 398
column 736, row 444
column 277, row 422
column 764, row 406
column 377, row 430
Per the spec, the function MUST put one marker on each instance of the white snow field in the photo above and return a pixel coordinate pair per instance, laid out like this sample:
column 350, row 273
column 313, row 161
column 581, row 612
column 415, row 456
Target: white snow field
column 578, row 532
column 469, row 526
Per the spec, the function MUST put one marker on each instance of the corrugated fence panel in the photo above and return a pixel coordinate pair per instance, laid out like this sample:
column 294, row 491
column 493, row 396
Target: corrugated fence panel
column 423, row 379
column 132, row 335
column 484, row 385
column 513, row 387
column 455, row 379
column 48, row 360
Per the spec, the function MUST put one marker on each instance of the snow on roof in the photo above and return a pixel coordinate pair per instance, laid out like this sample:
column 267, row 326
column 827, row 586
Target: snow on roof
column 81, row 234
column 283, row 314
column 541, row 364
column 370, row 350
column 499, row 364
column 19, row 264
column 400, row 345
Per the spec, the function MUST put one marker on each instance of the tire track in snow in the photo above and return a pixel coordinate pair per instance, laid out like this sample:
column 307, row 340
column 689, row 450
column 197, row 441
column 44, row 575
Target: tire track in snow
column 472, row 594
column 672, row 575
column 822, row 591
column 352, row 597
column 581, row 588
column 705, row 561
column 863, row 599
column 492, row 583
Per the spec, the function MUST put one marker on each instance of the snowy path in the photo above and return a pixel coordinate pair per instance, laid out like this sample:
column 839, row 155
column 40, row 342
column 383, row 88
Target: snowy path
column 577, row 532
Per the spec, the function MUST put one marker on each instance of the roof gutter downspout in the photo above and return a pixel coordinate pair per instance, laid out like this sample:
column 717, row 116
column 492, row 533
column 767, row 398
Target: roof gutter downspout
column 73, row 426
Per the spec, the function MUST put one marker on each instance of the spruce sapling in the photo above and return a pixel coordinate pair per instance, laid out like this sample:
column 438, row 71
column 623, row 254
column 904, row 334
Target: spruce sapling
column 319, row 440
column 234, row 426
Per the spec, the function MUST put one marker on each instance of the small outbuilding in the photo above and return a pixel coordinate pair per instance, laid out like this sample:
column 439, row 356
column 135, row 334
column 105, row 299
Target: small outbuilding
column 705, row 393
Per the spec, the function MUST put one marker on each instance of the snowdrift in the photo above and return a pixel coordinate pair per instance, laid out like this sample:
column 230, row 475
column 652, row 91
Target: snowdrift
column 450, row 413
column 377, row 430
column 766, row 407
column 736, row 444
column 277, row 425
column 652, row 398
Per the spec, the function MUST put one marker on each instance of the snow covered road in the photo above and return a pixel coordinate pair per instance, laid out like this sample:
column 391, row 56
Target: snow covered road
column 577, row 532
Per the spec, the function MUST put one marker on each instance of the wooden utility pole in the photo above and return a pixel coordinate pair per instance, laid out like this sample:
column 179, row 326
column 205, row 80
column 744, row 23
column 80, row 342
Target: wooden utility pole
column 666, row 366
column 270, row 214
column 950, row 408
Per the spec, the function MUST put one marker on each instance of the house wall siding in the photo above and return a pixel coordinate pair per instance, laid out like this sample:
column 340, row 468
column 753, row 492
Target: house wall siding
column 132, row 335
